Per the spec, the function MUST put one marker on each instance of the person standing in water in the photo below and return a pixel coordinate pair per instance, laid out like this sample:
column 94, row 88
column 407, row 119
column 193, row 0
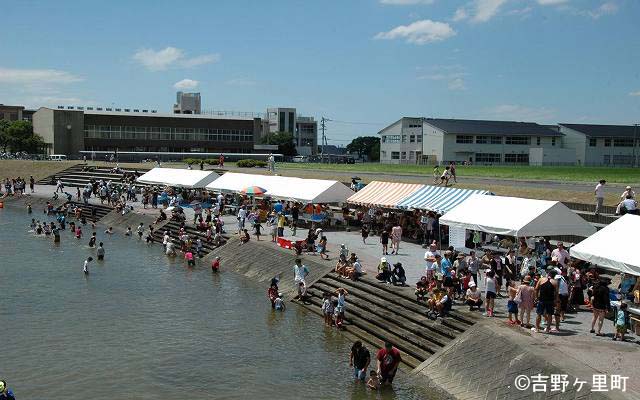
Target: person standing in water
column 85, row 268
column 92, row 241
column 100, row 252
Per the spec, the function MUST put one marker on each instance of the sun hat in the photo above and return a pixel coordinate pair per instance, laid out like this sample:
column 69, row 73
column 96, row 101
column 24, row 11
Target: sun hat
column 383, row 259
column 472, row 284
column 628, row 188
column 526, row 279
column 461, row 255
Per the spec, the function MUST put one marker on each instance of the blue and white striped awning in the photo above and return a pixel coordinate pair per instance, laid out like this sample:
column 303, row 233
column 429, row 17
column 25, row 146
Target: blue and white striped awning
column 437, row 198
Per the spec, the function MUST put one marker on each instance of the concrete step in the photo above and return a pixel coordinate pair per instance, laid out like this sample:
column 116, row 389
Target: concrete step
column 601, row 219
column 413, row 333
column 372, row 342
column 405, row 298
column 402, row 339
column 431, row 330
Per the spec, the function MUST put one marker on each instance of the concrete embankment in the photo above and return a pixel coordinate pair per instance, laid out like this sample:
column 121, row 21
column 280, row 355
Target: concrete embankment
column 261, row 261
column 483, row 363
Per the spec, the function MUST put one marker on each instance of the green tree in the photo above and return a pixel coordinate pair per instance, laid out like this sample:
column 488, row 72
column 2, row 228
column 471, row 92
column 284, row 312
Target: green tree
column 284, row 140
column 4, row 136
column 19, row 136
column 365, row 145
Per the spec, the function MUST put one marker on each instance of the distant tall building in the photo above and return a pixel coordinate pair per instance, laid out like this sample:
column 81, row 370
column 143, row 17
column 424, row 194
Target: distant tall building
column 304, row 129
column 187, row 103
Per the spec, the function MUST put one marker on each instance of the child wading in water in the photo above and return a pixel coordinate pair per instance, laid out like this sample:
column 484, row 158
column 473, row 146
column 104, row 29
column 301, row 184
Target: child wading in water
column 278, row 303
column 373, row 382
column 85, row 268
column 327, row 309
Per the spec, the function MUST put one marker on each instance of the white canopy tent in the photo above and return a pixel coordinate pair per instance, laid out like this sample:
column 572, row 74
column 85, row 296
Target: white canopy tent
column 176, row 177
column 614, row 247
column 514, row 216
column 284, row 187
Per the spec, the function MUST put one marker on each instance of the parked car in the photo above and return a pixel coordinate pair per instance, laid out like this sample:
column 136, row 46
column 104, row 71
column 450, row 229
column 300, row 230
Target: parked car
column 300, row 159
column 57, row 157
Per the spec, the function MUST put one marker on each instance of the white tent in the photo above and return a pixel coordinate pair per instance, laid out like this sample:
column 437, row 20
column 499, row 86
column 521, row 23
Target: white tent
column 514, row 216
column 614, row 247
column 176, row 177
column 284, row 187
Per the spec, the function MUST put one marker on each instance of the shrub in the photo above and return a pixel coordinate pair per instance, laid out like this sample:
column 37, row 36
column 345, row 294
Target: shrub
column 191, row 161
column 251, row 163
column 211, row 161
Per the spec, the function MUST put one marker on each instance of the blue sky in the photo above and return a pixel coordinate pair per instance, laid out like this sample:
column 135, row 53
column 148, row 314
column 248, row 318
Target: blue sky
column 365, row 61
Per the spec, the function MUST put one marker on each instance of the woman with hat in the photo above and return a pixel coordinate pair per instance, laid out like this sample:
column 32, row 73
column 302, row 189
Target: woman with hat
column 525, row 294
column 384, row 271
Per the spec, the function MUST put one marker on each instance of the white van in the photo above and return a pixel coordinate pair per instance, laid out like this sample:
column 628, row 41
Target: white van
column 57, row 157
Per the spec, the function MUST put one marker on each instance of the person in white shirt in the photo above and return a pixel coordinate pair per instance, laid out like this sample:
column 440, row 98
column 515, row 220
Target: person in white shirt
column 242, row 215
column 430, row 258
column 599, row 192
column 627, row 191
column 629, row 204
column 561, row 254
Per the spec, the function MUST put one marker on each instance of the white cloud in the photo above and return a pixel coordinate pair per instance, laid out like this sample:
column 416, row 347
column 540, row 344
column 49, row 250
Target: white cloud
column 420, row 32
column 607, row 8
column 551, row 2
column 186, row 84
column 36, row 76
column 460, row 14
column 478, row 10
column 635, row 94
column 405, row 2
column 514, row 112
column 486, row 9
column 170, row 56
column 241, row 82
column 453, row 74
column 457, row 84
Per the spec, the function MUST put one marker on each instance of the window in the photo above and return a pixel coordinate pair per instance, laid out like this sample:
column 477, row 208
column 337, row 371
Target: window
column 607, row 143
column 488, row 157
column 521, row 140
column 384, row 139
column 516, row 158
column 393, row 139
column 395, row 155
column 419, row 138
column 412, row 139
column 553, row 141
column 464, row 139
column 281, row 122
column 414, row 126
column 482, row 139
column 622, row 142
column 291, row 122
column 495, row 139
column 404, row 155
column 622, row 159
column 593, row 142
column 404, row 138
column 384, row 154
column 538, row 140
column 412, row 155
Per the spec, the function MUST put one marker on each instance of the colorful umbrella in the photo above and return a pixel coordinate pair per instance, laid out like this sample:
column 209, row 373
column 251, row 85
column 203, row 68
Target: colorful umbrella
column 254, row 191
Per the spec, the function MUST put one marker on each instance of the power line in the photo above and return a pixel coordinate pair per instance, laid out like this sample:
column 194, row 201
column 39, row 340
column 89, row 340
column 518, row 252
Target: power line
column 358, row 123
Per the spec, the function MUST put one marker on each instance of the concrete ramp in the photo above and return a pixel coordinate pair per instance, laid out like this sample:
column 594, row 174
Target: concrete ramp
column 261, row 261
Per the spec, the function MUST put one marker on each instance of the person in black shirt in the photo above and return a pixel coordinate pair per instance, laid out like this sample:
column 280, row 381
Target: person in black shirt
column 600, row 305
column 359, row 360
column 384, row 240
column 398, row 276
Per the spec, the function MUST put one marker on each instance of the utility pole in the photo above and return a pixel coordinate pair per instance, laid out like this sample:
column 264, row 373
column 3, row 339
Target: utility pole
column 323, row 121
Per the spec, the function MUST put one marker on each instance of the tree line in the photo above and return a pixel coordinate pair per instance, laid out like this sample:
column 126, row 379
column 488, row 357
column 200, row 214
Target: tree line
column 18, row 136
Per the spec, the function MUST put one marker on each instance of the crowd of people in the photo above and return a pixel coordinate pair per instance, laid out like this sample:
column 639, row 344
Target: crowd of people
column 16, row 186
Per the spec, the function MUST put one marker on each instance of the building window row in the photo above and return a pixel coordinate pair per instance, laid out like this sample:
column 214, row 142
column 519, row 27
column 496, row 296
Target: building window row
column 395, row 155
column 516, row 158
column 415, row 126
column 161, row 133
column 464, row 139
column 391, row 139
column 488, row 139
column 521, row 140
column 488, row 157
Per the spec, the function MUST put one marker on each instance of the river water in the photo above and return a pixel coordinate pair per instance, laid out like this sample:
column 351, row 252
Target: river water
column 143, row 327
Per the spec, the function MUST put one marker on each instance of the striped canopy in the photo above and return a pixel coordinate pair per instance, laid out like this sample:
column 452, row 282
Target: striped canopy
column 437, row 198
column 383, row 194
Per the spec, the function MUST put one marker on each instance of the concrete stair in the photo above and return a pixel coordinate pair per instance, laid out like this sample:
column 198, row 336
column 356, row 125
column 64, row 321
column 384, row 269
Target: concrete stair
column 174, row 227
column 376, row 312
column 74, row 176
column 101, row 210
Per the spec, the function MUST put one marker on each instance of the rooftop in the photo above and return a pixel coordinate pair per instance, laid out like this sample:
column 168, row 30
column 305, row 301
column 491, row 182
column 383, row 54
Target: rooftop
column 158, row 115
column 605, row 130
column 482, row 127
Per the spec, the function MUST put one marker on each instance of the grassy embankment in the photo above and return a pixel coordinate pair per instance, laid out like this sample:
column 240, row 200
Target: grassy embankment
column 563, row 174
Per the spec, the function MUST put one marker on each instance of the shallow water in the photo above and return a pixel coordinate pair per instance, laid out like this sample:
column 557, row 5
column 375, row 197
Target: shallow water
column 143, row 327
